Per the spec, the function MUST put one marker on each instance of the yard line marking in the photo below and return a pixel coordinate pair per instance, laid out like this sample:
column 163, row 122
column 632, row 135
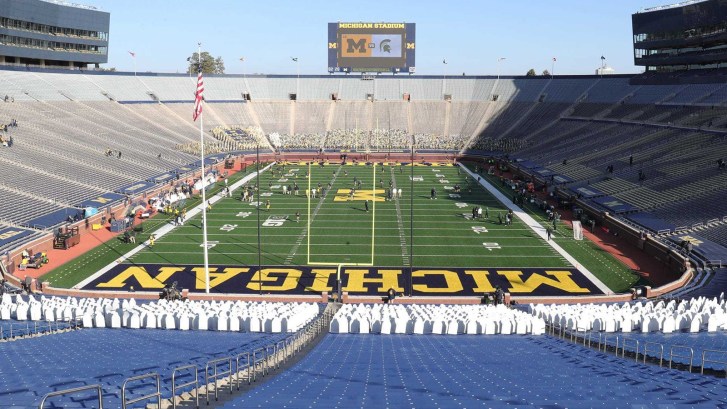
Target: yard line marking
column 399, row 222
column 304, row 233
column 165, row 229
column 539, row 230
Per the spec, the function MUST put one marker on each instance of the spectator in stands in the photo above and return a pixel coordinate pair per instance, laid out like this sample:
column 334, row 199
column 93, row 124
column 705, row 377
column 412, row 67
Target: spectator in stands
column 499, row 296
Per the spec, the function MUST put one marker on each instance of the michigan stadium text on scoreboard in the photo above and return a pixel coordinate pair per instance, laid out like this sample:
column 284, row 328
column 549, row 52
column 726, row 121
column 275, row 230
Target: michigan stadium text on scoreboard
column 371, row 47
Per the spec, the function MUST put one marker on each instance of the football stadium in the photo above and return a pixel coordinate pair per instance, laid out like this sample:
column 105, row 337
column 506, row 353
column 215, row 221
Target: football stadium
column 363, row 237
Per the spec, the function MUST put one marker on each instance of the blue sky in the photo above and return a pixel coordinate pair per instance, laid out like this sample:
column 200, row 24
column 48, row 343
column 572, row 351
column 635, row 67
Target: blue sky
column 470, row 34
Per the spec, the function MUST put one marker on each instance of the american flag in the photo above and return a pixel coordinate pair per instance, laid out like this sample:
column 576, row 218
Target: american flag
column 198, row 94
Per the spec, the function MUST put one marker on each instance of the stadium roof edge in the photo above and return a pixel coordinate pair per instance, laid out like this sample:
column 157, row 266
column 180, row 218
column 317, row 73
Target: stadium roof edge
column 404, row 76
column 670, row 6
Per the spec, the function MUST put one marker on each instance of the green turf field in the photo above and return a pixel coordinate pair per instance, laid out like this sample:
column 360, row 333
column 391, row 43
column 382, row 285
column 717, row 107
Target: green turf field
column 342, row 231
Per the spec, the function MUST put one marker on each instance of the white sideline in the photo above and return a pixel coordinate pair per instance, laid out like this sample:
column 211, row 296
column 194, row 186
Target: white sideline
column 538, row 229
column 166, row 229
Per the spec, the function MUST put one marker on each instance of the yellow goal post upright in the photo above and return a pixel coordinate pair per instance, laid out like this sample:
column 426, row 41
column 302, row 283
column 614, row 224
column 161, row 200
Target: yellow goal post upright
column 339, row 265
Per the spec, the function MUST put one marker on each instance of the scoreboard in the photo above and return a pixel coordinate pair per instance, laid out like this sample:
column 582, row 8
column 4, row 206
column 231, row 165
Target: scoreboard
column 371, row 47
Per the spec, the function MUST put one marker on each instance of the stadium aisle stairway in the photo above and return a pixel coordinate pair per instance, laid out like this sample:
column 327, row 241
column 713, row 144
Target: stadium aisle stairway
column 476, row 371
column 32, row 367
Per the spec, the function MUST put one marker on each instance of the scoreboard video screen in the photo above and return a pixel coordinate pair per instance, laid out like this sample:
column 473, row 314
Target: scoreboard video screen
column 371, row 47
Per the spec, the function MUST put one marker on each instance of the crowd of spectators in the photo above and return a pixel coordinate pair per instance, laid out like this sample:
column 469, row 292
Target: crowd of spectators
column 296, row 141
column 239, row 138
column 363, row 140
column 499, row 145
column 5, row 138
column 247, row 138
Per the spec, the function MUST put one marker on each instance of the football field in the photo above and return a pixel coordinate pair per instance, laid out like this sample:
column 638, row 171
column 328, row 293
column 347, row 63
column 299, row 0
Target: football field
column 308, row 225
column 335, row 228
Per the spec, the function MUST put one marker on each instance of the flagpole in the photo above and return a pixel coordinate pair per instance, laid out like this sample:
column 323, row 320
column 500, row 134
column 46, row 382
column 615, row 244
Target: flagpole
column 204, row 195
column 133, row 59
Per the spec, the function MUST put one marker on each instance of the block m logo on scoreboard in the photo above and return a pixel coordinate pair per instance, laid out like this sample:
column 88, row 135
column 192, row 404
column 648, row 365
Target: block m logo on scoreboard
column 355, row 45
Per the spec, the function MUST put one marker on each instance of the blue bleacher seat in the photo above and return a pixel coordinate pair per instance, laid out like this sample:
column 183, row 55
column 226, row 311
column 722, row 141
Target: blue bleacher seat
column 476, row 371
column 35, row 366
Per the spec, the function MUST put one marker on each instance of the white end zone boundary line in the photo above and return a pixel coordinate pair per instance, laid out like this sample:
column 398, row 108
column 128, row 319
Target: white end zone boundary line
column 538, row 229
column 160, row 232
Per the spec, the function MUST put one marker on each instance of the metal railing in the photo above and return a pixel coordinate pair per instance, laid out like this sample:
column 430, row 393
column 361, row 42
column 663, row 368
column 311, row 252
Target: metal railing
column 657, row 347
column 217, row 373
column 625, row 343
column 270, row 354
column 194, row 383
column 143, row 398
column 239, row 371
column 19, row 330
column 97, row 388
column 642, row 351
column 673, row 355
column 714, row 361
column 258, row 360
column 281, row 346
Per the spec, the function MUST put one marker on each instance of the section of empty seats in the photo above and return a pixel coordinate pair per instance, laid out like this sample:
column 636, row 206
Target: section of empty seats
column 317, row 89
column 717, row 234
column 429, row 116
column 274, row 116
column 21, row 208
column 486, row 371
column 122, row 87
column 353, row 115
column 311, row 117
column 392, row 115
column 693, row 93
column 465, row 118
column 182, row 87
column 38, row 365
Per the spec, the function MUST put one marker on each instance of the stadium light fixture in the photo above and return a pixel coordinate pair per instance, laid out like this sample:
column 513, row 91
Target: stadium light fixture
column 499, row 60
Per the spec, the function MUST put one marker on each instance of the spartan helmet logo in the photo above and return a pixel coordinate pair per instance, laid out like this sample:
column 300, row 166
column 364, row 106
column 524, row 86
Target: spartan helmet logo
column 384, row 46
